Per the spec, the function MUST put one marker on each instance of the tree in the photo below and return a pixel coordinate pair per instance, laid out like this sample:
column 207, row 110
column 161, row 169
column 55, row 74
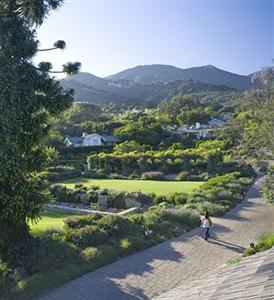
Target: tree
column 29, row 96
column 195, row 115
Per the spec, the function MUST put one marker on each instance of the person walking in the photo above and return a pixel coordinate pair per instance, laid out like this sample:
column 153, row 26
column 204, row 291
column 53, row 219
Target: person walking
column 206, row 224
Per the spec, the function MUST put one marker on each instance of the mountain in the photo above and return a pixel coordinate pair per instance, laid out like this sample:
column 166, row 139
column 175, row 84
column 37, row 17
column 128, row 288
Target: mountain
column 208, row 74
column 124, row 92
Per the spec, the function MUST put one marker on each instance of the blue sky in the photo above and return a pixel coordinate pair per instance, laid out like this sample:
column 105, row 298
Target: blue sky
column 109, row 36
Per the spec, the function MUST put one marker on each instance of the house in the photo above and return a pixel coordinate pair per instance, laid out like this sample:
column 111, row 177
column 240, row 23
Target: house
column 217, row 122
column 93, row 139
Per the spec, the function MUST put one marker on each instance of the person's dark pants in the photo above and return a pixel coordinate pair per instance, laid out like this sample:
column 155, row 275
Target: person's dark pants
column 206, row 233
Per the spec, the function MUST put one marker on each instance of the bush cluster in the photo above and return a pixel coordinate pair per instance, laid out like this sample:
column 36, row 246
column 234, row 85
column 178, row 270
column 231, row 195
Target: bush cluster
column 132, row 233
column 207, row 157
column 90, row 196
column 63, row 172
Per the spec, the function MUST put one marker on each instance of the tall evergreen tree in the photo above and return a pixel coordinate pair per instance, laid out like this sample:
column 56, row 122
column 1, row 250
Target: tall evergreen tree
column 29, row 96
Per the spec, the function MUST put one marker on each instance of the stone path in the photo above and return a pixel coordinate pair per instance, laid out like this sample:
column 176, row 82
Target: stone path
column 149, row 273
column 251, row 278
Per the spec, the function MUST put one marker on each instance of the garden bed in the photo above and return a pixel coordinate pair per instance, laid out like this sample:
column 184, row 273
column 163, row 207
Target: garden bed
column 92, row 241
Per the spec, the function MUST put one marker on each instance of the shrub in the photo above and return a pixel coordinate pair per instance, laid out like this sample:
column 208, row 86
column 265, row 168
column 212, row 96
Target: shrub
column 159, row 199
column 177, row 198
column 119, row 201
column 77, row 222
column 153, row 175
column 182, row 176
column 95, row 187
column 54, row 176
column 213, row 208
column 131, row 244
column 117, row 226
column 249, row 251
column 126, row 246
column 268, row 187
column 92, row 197
column 156, row 226
column 7, row 280
column 265, row 243
column 51, row 254
column 90, row 235
column 99, row 256
column 43, row 254
column 188, row 218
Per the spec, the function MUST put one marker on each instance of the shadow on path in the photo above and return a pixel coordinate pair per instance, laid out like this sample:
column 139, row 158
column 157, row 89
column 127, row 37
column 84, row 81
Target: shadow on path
column 104, row 283
column 233, row 247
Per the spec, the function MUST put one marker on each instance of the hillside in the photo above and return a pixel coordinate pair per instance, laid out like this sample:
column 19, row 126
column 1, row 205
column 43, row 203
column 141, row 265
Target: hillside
column 124, row 92
column 207, row 74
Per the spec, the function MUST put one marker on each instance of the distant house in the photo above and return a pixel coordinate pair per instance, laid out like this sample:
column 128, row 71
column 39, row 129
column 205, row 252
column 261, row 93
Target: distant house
column 217, row 122
column 93, row 139
column 200, row 130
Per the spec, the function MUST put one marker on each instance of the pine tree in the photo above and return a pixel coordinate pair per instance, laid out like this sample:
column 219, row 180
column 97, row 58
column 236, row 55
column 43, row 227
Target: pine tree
column 29, row 96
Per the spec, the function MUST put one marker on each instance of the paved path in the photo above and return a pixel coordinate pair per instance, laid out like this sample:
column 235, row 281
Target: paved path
column 149, row 273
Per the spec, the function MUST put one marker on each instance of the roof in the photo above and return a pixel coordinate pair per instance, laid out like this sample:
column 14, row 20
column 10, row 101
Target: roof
column 92, row 135
column 75, row 139
column 110, row 138
column 251, row 278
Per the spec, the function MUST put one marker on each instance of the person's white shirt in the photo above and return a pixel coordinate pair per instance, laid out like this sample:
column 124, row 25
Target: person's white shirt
column 205, row 222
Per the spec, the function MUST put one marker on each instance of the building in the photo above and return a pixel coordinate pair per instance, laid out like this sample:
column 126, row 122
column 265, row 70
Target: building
column 201, row 131
column 89, row 140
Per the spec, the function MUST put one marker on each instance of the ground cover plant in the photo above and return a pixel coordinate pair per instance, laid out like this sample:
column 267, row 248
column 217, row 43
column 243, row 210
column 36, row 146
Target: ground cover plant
column 264, row 243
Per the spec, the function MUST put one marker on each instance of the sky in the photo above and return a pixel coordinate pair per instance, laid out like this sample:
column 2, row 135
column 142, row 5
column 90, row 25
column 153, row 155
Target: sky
column 112, row 35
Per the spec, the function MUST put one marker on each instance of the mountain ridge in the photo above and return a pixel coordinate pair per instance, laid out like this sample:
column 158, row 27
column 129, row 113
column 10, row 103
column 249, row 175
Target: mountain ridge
column 153, row 83
column 207, row 74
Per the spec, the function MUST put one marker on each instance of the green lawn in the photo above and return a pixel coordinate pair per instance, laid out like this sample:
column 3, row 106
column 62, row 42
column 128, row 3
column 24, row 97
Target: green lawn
column 145, row 186
column 49, row 220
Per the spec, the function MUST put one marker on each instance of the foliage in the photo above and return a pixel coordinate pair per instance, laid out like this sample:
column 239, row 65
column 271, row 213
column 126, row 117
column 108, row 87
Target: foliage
column 99, row 256
column 193, row 116
column 143, row 132
column 219, row 194
column 90, row 235
column 265, row 243
column 207, row 157
column 7, row 280
column 131, row 146
column 213, row 103
column 28, row 99
column 251, row 132
column 81, row 221
column 268, row 185
column 132, row 244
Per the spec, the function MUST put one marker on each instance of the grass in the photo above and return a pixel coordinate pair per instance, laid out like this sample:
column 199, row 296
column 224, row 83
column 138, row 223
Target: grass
column 49, row 220
column 145, row 186
column 234, row 260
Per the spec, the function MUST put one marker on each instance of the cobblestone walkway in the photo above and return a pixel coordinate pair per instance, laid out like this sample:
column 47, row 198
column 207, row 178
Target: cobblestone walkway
column 149, row 273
